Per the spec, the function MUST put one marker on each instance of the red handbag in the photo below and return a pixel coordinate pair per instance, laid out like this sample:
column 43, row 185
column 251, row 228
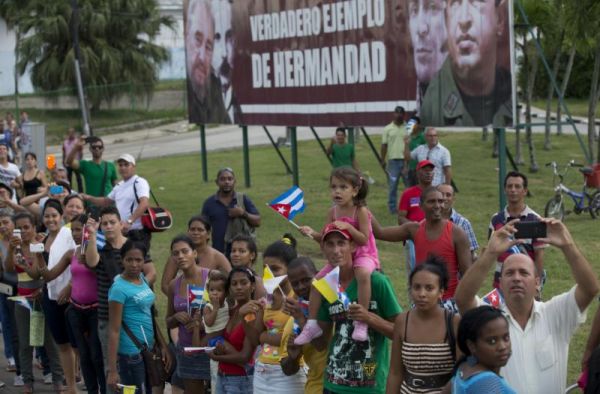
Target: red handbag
column 155, row 219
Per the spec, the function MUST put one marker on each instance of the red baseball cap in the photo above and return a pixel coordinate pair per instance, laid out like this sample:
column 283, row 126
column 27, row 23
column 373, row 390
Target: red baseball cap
column 332, row 228
column 424, row 163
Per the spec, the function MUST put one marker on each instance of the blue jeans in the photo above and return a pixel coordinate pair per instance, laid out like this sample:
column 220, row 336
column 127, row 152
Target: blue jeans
column 84, row 325
column 7, row 328
column 231, row 384
column 132, row 371
column 394, row 169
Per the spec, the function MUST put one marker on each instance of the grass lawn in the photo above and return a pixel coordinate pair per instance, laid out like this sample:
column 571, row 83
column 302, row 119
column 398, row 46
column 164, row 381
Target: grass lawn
column 577, row 107
column 58, row 120
column 475, row 171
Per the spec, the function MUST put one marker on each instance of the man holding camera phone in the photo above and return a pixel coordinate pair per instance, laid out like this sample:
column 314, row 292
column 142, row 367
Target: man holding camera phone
column 540, row 332
column 100, row 176
column 515, row 189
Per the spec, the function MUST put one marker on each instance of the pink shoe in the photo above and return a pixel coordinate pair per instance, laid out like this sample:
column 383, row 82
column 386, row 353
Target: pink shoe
column 360, row 331
column 310, row 331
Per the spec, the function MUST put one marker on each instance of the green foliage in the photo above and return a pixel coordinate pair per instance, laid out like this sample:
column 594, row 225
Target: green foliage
column 115, row 38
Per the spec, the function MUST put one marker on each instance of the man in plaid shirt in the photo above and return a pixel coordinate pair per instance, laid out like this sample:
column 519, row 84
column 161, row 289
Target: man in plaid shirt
column 450, row 213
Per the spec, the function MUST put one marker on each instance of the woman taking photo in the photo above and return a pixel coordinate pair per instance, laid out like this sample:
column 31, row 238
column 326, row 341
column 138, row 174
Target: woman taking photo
column 268, row 374
column 22, row 261
column 82, row 313
column 193, row 368
column 423, row 348
column 130, row 301
column 484, row 340
column 208, row 257
column 235, row 372
column 57, row 291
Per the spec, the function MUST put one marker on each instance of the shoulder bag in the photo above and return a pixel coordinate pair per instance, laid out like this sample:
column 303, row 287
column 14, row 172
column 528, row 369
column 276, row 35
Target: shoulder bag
column 155, row 219
column 155, row 368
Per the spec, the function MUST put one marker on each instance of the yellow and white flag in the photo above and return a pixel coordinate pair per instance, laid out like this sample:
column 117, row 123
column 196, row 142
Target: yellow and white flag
column 328, row 285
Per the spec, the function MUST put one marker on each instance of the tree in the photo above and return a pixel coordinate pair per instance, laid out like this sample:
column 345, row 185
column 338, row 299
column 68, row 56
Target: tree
column 115, row 37
column 10, row 11
column 584, row 29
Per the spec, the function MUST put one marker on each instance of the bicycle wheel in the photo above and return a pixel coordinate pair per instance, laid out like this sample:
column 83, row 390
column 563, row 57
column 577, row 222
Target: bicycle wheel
column 595, row 205
column 555, row 208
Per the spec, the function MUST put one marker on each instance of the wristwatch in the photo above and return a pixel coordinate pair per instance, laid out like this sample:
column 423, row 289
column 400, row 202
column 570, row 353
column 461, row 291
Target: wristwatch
column 245, row 215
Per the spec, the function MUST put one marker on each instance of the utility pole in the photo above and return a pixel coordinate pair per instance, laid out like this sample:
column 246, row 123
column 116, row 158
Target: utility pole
column 76, row 61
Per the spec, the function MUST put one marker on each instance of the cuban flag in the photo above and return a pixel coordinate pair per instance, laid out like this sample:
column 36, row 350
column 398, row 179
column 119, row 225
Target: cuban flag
column 195, row 297
column 494, row 299
column 289, row 203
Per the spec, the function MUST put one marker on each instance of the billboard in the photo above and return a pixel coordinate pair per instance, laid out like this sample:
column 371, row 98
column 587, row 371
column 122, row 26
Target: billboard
column 331, row 63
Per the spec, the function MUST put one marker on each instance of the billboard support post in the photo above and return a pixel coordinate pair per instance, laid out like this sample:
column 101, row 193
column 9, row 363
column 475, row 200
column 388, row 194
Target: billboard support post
column 295, row 170
column 374, row 150
column 288, row 170
column 246, row 150
column 501, row 136
column 203, row 154
column 320, row 143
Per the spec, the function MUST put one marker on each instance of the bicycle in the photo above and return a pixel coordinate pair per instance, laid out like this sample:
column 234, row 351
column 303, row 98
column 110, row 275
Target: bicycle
column 555, row 207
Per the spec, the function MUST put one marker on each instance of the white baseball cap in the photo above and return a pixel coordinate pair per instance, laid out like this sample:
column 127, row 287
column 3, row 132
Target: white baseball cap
column 127, row 157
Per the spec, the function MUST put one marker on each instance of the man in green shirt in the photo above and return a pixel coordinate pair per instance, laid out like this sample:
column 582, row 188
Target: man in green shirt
column 352, row 366
column 392, row 150
column 341, row 152
column 416, row 138
column 99, row 175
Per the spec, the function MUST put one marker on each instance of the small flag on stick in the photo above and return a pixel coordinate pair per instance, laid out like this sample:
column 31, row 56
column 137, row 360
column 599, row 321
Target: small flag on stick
column 494, row 298
column 329, row 287
column 195, row 297
column 290, row 203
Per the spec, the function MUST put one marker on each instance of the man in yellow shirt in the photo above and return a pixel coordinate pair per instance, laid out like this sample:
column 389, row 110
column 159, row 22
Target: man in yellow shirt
column 301, row 272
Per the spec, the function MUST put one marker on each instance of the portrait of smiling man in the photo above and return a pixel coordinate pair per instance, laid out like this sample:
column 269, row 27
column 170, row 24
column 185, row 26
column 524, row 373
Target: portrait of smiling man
column 470, row 88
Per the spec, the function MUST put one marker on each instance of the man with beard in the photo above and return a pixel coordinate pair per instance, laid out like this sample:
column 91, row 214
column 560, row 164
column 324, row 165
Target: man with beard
column 222, row 61
column 428, row 36
column 229, row 212
column 470, row 89
column 204, row 89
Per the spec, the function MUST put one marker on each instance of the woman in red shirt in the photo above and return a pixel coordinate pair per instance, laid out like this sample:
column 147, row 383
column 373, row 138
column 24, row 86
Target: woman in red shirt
column 235, row 372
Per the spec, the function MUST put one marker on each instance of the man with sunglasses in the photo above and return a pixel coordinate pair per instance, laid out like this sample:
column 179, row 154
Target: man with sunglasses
column 100, row 176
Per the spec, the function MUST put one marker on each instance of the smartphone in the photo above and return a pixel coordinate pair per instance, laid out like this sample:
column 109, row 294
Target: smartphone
column 94, row 213
column 36, row 248
column 530, row 230
column 17, row 233
column 56, row 189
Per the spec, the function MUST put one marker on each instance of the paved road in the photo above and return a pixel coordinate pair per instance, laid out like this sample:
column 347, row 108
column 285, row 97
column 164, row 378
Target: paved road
column 183, row 138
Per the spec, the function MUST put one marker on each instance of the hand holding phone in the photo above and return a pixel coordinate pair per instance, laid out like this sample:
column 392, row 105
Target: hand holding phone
column 530, row 230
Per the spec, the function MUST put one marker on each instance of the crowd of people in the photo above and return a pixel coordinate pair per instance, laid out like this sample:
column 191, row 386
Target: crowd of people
column 80, row 286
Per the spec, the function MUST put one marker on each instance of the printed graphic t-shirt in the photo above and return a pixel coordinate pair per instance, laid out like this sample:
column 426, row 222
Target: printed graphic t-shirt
column 359, row 367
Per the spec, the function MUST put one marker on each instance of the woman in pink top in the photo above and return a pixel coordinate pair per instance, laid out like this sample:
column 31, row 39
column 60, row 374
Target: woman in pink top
column 82, row 312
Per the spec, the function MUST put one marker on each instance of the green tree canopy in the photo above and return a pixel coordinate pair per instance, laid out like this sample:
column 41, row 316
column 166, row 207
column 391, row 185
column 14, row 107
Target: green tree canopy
column 115, row 37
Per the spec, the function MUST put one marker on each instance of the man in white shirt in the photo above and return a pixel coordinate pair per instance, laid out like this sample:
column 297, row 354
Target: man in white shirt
column 435, row 152
column 131, row 197
column 540, row 332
